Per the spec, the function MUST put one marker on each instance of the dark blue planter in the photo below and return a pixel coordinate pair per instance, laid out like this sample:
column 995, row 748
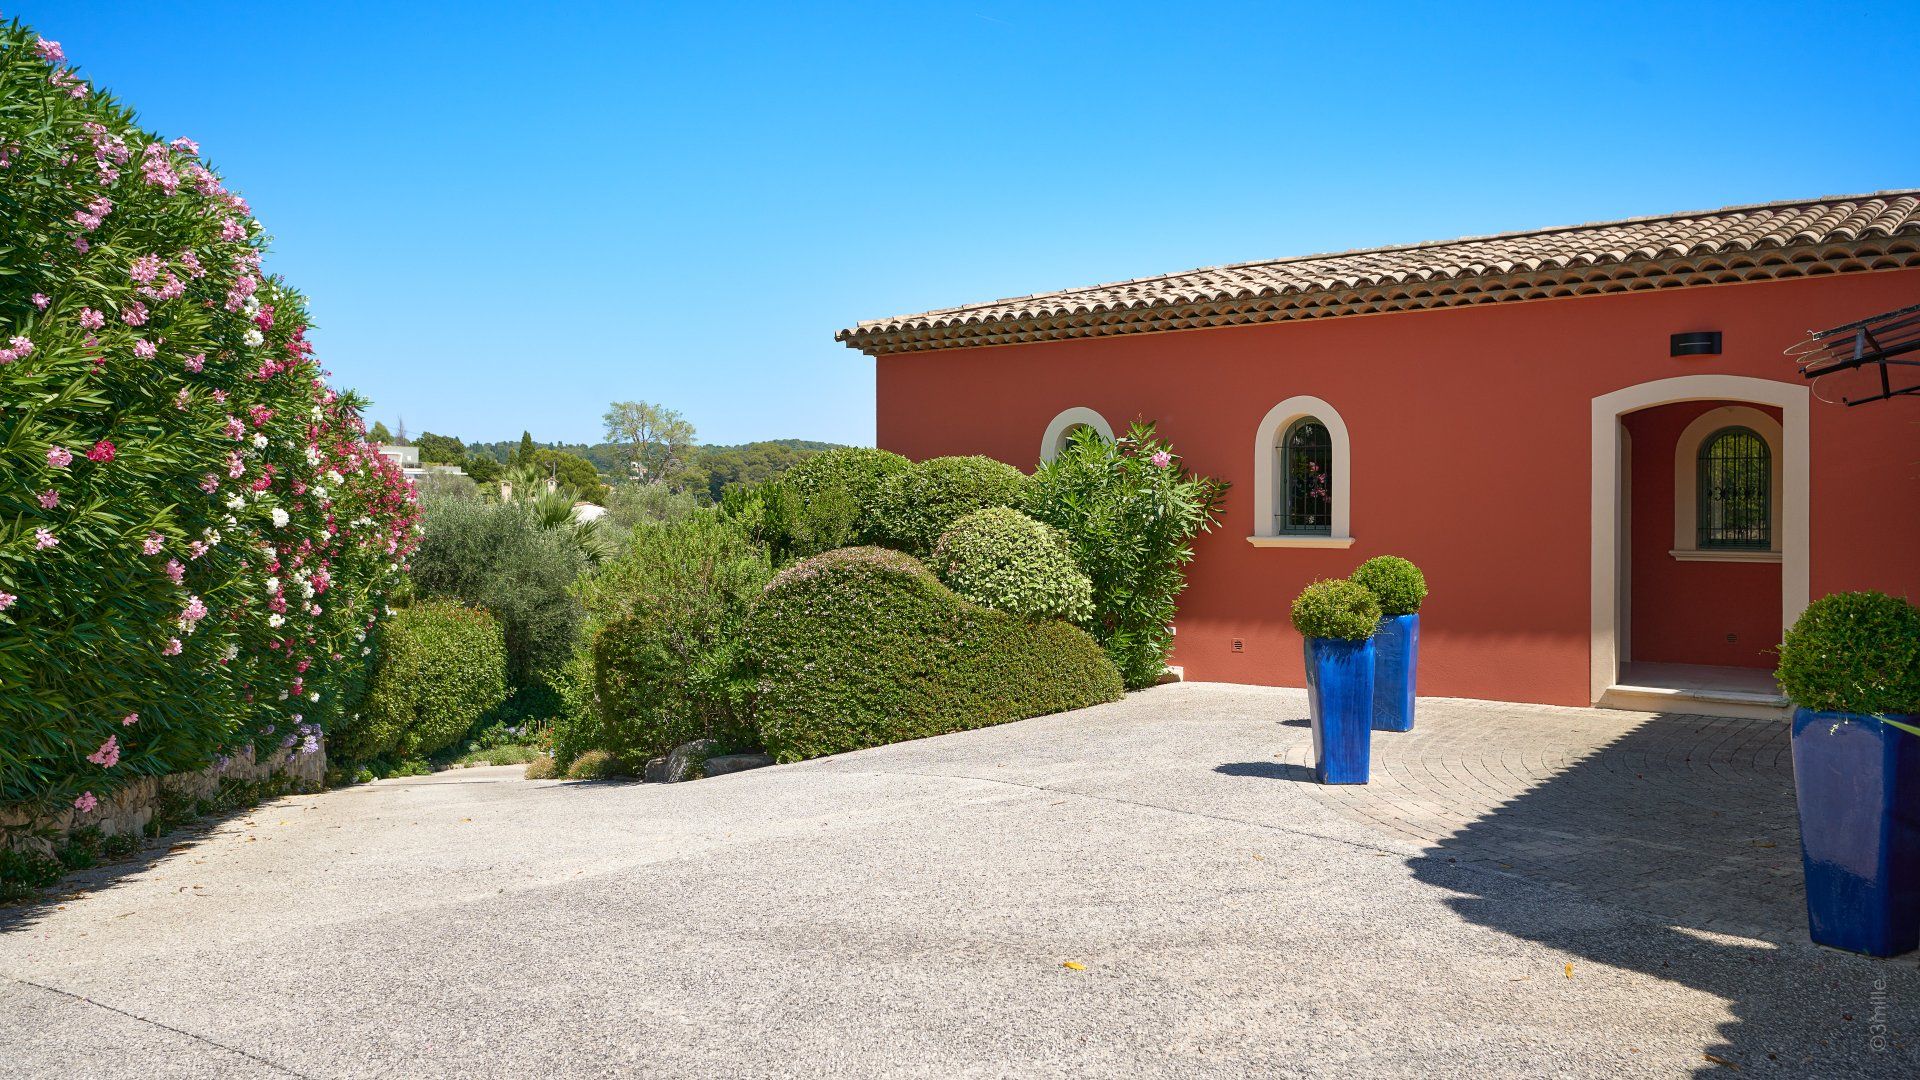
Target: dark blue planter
column 1340, row 695
column 1396, row 652
column 1858, row 782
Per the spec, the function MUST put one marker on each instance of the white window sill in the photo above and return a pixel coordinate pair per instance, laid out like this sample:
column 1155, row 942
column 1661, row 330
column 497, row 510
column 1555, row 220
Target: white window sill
column 1300, row 541
column 1723, row 555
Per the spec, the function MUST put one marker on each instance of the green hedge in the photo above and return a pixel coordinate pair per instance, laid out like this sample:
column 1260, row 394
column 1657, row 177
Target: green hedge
column 862, row 646
column 442, row 666
column 1398, row 584
column 1854, row 652
column 1336, row 609
column 1003, row 559
column 914, row 507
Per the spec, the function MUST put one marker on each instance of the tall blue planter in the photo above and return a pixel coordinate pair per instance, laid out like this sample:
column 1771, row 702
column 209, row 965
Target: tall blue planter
column 1858, row 783
column 1340, row 695
column 1396, row 647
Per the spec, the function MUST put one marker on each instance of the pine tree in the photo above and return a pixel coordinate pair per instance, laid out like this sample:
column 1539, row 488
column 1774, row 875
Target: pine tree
column 379, row 433
column 525, row 453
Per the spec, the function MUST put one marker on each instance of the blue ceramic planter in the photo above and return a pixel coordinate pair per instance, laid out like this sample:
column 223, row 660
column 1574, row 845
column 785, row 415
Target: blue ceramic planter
column 1396, row 647
column 1340, row 695
column 1858, row 783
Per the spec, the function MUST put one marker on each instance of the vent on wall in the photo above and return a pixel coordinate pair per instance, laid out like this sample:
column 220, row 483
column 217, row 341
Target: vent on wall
column 1239, row 646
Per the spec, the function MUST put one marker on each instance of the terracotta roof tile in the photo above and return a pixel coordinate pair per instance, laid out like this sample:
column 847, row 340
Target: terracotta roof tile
column 1839, row 234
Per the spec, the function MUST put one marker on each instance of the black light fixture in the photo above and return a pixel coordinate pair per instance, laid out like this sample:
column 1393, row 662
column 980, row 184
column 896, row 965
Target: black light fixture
column 1698, row 343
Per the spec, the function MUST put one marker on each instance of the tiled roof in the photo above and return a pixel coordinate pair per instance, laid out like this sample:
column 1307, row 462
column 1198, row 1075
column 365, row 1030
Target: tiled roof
column 1839, row 234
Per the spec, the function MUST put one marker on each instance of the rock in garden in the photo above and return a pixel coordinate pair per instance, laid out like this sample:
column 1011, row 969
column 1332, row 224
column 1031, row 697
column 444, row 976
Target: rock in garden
column 686, row 760
column 731, row 763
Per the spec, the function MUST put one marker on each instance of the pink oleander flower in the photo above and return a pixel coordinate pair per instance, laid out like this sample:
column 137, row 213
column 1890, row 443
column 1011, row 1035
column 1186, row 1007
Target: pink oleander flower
column 209, row 483
column 41, row 300
column 19, row 348
column 146, row 268
column 176, row 570
column 109, row 753
column 185, row 145
column 59, row 457
column 232, row 230
column 219, row 397
column 42, row 540
column 7, row 600
column 102, row 452
column 144, row 349
column 153, row 544
column 194, row 611
column 49, row 499
column 1161, row 460
column 91, row 319
column 130, row 719
column 182, row 400
column 192, row 262
column 235, row 428
column 81, row 245
column 86, row 802
column 172, row 649
column 134, row 314
column 49, row 50
column 196, row 362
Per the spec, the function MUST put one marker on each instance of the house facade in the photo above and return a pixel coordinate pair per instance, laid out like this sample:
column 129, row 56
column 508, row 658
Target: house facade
column 1590, row 438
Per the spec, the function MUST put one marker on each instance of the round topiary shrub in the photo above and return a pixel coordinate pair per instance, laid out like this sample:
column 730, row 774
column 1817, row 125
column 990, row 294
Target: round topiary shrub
column 442, row 666
column 913, row 508
column 1003, row 559
column 1336, row 609
column 1854, row 652
column 863, row 646
column 1396, row 583
column 857, row 470
column 595, row 765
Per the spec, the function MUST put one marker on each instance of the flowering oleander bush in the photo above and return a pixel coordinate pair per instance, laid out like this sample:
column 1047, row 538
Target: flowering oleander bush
column 195, row 537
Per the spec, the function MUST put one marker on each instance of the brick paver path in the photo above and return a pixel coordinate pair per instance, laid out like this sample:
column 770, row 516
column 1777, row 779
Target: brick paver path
column 1684, row 817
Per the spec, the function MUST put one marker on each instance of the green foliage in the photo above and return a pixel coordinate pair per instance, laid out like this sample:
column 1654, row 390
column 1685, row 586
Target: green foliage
column 442, row 667
column 1336, row 609
column 665, row 662
column 1854, row 652
column 23, row 873
column 1003, row 559
column 863, row 646
column 595, row 765
column 499, row 556
column 1397, row 584
column 1130, row 511
column 194, row 536
column 632, row 504
column 512, row 754
column 543, row 767
column 483, row 469
column 792, row 525
column 914, row 506
column 653, row 441
column 716, row 470
column 440, row 449
column 574, row 473
column 379, row 433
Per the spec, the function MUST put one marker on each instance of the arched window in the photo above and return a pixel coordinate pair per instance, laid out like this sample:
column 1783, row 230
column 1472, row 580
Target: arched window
column 1065, row 424
column 1735, row 491
column 1305, row 474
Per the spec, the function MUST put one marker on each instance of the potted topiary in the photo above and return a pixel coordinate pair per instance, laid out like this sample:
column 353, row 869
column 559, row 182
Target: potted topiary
column 1851, row 665
column 1400, row 587
column 1338, row 620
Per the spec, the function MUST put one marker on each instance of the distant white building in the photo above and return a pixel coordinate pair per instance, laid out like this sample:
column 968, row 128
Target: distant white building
column 408, row 458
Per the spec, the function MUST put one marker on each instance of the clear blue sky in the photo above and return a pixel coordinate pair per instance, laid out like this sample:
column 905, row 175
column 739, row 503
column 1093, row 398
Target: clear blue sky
column 508, row 215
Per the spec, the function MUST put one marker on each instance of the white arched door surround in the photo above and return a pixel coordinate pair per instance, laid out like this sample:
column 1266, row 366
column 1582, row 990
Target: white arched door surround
column 1686, row 482
column 1055, row 439
column 1792, row 535
column 1266, row 477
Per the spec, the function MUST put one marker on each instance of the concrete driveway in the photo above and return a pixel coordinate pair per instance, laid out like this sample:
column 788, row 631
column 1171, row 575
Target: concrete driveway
column 913, row 910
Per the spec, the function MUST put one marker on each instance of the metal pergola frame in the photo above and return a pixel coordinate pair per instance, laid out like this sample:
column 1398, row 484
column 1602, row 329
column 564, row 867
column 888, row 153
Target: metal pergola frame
column 1876, row 340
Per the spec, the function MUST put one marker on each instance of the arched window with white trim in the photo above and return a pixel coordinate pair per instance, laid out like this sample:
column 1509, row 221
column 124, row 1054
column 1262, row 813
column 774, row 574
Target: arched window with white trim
column 1727, row 487
column 1302, row 483
column 1065, row 424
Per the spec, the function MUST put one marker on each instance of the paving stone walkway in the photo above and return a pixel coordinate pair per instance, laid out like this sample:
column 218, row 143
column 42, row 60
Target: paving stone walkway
column 1671, row 815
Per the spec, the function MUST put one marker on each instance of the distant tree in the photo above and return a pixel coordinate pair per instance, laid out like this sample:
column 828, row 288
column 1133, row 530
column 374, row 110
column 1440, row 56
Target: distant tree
column 524, row 454
column 440, row 449
column 653, row 440
column 483, row 468
column 570, row 471
column 400, row 437
column 380, row 434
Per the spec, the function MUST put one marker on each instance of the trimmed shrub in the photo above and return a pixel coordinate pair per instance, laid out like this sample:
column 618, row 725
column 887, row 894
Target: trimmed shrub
column 1129, row 511
column 595, row 765
column 863, row 646
column 1003, row 559
column 859, row 471
column 664, row 660
column 791, row 525
column 1854, row 652
column 442, row 667
column 915, row 506
column 195, row 537
column 499, row 557
column 542, row 767
column 1336, row 609
column 1397, row 584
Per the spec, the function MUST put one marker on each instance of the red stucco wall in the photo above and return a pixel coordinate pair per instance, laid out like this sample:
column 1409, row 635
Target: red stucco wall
column 1471, row 444
column 1683, row 612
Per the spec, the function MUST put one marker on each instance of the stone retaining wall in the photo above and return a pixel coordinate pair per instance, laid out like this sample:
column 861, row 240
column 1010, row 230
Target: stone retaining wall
column 132, row 807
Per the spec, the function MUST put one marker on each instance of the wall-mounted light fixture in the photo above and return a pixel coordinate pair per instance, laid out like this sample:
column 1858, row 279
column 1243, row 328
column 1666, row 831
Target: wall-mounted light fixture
column 1698, row 343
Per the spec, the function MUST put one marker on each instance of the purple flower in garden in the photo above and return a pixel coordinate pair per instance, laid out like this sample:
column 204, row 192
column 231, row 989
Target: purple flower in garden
column 49, row 50
column 41, row 301
column 59, row 457
column 7, row 600
column 49, row 499
column 310, row 745
column 1161, row 460
column 152, row 544
column 86, row 802
column 42, row 540
column 109, row 753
